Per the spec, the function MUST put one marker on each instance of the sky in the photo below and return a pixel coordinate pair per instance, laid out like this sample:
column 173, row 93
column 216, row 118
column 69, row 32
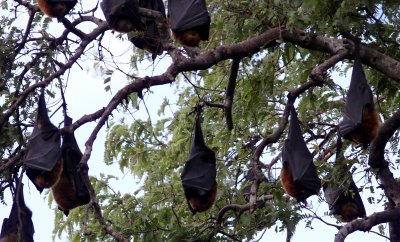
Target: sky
column 86, row 93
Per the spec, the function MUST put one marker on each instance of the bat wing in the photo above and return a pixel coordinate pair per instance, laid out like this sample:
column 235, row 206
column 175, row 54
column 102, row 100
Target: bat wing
column 157, row 5
column 43, row 148
column 300, row 160
column 25, row 215
column 200, row 169
column 114, row 9
column 355, row 196
column 150, row 39
column 359, row 95
column 72, row 155
column 19, row 223
column 70, row 3
column 336, row 194
column 9, row 227
column 188, row 14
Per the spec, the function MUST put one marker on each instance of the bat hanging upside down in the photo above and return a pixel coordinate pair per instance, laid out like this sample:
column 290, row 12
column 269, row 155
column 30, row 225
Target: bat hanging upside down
column 200, row 200
column 56, row 8
column 45, row 179
column 191, row 37
column 369, row 127
column 292, row 188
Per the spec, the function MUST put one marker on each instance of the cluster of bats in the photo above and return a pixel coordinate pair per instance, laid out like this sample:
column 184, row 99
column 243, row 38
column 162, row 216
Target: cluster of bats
column 50, row 164
column 189, row 20
column 299, row 178
column 360, row 124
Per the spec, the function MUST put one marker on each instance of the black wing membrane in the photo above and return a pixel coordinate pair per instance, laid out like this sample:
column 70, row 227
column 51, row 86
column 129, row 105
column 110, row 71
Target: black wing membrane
column 70, row 191
column 344, row 199
column 70, row 4
column 298, row 159
column 43, row 148
column 199, row 173
column 18, row 226
column 341, row 193
column 122, row 10
column 188, row 14
column 359, row 95
column 151, row 39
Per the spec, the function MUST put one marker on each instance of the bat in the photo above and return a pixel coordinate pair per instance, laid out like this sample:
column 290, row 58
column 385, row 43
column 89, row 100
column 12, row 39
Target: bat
column 298, row 174
column 189, row 21
column 122, row 15
column 70, row 191
column 151, row 40
column 361, row 121
column 346, row 203
column 18, row 226
column 344, row 200
column 199, row 174
column 56, row 8
column 341, row 193
column 43, row 153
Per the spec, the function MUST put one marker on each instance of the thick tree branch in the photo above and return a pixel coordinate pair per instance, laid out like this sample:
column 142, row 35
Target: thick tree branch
column 377, row 160
column 373, row 58
column 365, row 224
column 230, row 91
column 234, row 207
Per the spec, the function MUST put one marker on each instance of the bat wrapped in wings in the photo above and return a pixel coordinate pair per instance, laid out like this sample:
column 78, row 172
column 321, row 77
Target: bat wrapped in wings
column 122, row 15
column 151, row 41
column 70, row 191
column 43, row 154
column 18, row 226
column 189, row 20
column 199, row 174
column 341, row 193
column 361, row 121
column 343, row 198
column 298, row 175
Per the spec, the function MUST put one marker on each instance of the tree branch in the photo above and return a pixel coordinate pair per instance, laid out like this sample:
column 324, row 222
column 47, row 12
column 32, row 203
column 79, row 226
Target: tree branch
column 377, row 160
column 79, row 51
column 230, row 91
column 365, row 224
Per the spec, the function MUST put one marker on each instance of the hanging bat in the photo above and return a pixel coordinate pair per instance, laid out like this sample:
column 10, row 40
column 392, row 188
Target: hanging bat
column 344, row 202
column 341, row 193
column 151, row 41
column 56, row 8
column 191, row 37
column 122, row 15
column 43, row 154
column 298, row 174
column 361, row 121
column 18, row 226
column 70, row 191
column 189, row 21
column 199, row 174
